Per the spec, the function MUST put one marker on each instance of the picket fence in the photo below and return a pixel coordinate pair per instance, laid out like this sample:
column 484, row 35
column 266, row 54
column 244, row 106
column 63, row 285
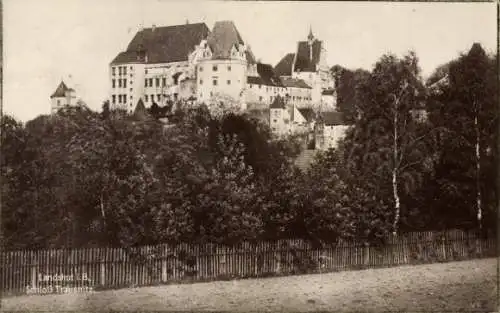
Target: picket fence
column 81, row 270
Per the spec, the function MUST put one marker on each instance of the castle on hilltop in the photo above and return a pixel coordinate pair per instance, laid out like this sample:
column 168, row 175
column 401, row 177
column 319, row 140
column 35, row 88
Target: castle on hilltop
column 190, row 62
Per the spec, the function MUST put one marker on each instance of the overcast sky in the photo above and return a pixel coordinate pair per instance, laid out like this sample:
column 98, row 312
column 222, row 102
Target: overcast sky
column 48, row 40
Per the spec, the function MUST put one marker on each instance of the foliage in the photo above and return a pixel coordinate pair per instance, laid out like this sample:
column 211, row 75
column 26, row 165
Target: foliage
column 347, row 83
column 216, row 174
column 470, row 91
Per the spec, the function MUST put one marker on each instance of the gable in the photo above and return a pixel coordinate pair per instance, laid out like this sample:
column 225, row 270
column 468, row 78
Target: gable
column 223, row 38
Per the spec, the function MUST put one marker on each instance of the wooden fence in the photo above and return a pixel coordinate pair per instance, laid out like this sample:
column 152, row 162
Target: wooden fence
column 83, row 270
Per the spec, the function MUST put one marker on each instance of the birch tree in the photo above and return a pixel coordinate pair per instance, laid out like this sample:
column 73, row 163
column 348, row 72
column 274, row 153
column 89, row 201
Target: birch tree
column 464, row 106
column 388, row 147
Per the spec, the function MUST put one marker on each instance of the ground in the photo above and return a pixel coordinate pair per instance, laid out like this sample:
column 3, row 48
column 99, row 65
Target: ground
column 458, row 286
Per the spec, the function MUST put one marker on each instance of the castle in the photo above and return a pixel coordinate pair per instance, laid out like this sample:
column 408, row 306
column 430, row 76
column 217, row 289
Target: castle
column 189, row 62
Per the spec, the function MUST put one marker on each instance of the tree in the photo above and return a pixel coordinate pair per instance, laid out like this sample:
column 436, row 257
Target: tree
column 464, row 105
column 347, row 82
column 105, row 109
column 387, row 147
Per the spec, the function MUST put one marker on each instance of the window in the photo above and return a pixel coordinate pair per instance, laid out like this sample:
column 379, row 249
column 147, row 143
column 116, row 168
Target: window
column 124, row 83
column 260, row 98
column 229, row 82
column 130, row 89
column 124, row 70
column 215, row 82
column 131, row 75
column 119, row 83
column 157, row 82
column 275, row 121
column 201, row 81
column 150, row 82
column 131, row 82
column 119, row 98
column 120, row 70
column 200, row 68
column 113, row 83
column 146, row 98
column 58, row 102
column 214, row 68
column 113, row 70
column 260, row 86
column 131, row 68
column 164, row 81
column 145, row 82
column 113, row 99
column 250, row 86
column 229, row 68
column 158, row 97
column 146, row 71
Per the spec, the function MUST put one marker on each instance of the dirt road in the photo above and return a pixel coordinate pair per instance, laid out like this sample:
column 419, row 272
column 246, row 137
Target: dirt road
column 457, row 286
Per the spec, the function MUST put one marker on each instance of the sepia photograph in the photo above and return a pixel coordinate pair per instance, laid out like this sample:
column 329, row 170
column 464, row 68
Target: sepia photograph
column 240, row 156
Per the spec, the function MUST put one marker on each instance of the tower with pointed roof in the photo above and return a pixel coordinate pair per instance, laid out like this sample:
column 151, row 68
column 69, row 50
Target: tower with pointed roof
column 222, row 63
column 308, row 63
column 63, row 96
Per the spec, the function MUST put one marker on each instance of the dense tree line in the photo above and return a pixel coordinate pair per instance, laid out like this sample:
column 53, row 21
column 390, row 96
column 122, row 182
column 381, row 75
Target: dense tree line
column 80, row 178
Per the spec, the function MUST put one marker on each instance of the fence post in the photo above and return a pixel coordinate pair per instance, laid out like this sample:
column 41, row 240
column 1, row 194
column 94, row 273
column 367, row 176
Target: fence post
column 33, row 271
column 367, row 255
column 443, row 246
column 255, row 248
column 103, row 273
column 479, row 251
column 278, row 258
column 164, row 265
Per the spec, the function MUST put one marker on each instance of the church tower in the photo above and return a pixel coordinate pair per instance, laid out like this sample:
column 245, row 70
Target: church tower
column 310, row 40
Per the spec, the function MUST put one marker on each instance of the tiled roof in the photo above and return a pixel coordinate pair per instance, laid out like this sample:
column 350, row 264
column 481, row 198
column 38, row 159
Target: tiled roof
column 303, row 61
column 255, row 80
column 266, row 76
column 222, row 39
column 332, row 118
column 328, row 92
column 61, row 90
column 284, row 66
column 128, row 57
column 163, row 44
column 278, row 103
column 308, row 114
column 294, row 82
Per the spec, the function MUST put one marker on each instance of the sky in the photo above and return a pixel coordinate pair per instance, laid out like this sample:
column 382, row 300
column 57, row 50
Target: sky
column 46, row 41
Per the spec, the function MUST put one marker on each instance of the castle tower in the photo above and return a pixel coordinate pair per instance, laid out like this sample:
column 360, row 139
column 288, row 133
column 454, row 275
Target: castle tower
column 310, row 40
